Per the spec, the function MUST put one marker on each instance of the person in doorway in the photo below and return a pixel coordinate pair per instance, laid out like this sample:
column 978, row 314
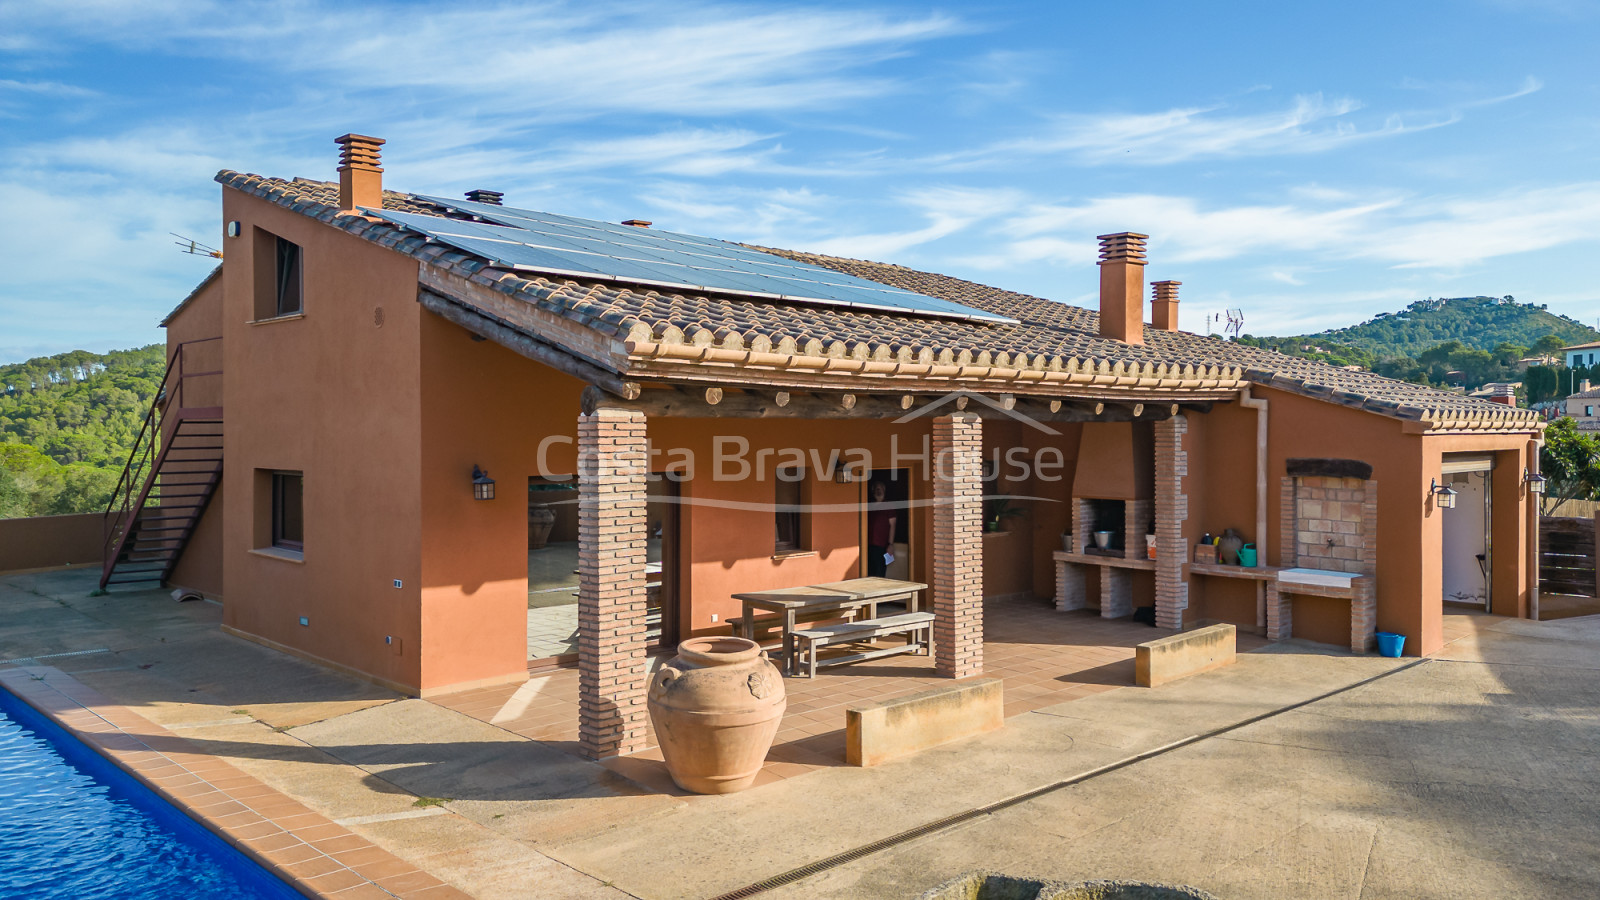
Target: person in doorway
column 880, row 530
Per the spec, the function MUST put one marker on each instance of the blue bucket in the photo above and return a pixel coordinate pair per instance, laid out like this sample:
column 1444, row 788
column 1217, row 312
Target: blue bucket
column 1390, row 644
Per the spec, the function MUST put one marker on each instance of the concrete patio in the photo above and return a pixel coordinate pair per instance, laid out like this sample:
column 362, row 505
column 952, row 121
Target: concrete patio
column 1469, row 775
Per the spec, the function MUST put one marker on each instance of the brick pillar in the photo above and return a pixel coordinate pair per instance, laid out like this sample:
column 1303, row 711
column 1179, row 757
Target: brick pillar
column 1072, row 586
column 612, row 671
column 1288, row 524
column 958, row 545
column 1172, row 511
column 1363, row 615
column 1279, row 622
column 1116, row 592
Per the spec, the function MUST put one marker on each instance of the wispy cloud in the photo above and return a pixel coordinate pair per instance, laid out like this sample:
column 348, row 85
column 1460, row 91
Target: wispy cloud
column 1310, row 124
column 1426, row 232
column 556, row 59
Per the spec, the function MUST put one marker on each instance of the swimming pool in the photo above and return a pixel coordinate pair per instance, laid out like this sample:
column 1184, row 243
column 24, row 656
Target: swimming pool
column 72, row 825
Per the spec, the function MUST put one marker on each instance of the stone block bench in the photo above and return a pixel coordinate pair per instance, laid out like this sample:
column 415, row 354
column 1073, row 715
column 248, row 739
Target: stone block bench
column 889, row 729
column 1181, row 655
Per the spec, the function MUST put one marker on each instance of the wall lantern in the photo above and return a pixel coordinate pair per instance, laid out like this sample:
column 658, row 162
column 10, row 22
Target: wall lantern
column 1444, row 495
column 1534, row 481
column 482, row 485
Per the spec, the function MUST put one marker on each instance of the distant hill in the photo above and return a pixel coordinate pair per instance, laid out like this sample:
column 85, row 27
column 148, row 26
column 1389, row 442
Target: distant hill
column 1479, row 323
column 66, row 425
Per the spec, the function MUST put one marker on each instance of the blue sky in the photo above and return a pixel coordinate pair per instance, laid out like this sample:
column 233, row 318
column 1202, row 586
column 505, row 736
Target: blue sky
column 1311, row 164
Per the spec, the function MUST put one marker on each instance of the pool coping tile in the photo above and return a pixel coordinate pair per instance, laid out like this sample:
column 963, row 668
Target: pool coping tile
column 311, row 853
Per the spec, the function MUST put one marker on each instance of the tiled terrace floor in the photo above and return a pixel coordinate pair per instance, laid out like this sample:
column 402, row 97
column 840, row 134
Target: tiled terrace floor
column 1045, row 656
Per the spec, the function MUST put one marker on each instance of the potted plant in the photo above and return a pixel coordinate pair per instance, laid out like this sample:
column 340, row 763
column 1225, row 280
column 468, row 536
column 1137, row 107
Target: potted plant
column 998, row 512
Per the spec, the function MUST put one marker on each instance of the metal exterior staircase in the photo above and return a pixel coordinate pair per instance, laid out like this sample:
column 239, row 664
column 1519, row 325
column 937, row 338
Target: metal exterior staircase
column 172, row 472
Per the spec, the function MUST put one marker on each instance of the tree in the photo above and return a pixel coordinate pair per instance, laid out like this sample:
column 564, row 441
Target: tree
column 1570, row 460
column 1548, row 344
column 1541, row 383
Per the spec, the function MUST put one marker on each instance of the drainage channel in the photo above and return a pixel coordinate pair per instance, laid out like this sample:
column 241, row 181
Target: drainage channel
column 865, row 850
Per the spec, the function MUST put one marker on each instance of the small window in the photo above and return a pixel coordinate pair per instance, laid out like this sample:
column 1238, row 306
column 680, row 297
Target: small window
column 279, row 277
column 1588, row 410
column 288, row 516
column 789, row 503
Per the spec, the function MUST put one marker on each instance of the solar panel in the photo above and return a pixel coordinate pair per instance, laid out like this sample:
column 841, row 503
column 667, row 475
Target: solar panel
column 525, row 240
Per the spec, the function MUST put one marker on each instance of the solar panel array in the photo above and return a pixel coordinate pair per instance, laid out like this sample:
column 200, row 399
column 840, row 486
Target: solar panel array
column 562, row 245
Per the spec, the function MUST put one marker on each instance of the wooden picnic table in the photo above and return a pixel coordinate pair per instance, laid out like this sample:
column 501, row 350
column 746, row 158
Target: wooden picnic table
column 853, row 594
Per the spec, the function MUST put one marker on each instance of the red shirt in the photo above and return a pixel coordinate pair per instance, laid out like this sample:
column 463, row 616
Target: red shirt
column 880, row 527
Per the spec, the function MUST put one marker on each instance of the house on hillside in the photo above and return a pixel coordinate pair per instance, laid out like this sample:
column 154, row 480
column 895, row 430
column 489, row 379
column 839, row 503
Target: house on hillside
column 1584, row 406
column 1580, row 354
column 444, row 443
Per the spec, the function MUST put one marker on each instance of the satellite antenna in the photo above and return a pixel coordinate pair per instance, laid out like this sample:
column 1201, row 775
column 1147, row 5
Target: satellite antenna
column 190, row 245
column 1235, row 322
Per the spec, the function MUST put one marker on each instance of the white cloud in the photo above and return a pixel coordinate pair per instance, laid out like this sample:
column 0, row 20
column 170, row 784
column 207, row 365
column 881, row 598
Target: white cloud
column 552, row 59
column 1310, row 124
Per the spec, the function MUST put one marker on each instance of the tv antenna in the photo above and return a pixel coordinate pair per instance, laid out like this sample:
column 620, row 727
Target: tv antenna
column 190, row 245
column 1235, row 322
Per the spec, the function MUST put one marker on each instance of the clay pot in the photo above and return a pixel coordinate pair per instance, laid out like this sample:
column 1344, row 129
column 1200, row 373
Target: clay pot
column 716, row 707
column 541, row 519
column 1228, row 547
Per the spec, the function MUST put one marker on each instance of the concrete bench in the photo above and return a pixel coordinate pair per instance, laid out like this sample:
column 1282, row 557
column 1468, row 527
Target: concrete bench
column 878, row 732
column 1181, row 655
column 917, row 627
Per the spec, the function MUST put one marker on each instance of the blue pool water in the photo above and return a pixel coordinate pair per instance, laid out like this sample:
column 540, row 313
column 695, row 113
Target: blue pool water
column 75, row 827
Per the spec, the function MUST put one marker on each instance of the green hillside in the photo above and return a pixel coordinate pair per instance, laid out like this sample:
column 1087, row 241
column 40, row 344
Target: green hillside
column 1479, row 323
column 66, row 425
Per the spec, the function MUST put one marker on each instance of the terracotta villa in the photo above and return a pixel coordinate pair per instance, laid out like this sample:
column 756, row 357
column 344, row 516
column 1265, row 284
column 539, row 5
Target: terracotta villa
column 444, row 444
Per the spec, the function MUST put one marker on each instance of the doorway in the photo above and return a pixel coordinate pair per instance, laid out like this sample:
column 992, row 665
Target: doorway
column 886, row 514
column 1468, row 563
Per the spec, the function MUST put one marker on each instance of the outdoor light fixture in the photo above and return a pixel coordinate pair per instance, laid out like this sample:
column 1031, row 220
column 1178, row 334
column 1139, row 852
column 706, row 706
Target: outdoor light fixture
column 1444, row 495
column 1534, row 481
column 482, row 485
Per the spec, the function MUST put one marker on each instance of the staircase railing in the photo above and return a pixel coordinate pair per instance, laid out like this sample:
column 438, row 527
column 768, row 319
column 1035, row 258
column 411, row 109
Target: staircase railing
column 134, row 485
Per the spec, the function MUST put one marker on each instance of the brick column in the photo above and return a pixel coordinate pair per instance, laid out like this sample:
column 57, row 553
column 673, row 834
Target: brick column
column 1363, row 615
column 1172, row 512
column 612, row 671
column 958, row 545
column 1288, row 524
column 1279, row 622
column 1116, row 592
column 1072, row 586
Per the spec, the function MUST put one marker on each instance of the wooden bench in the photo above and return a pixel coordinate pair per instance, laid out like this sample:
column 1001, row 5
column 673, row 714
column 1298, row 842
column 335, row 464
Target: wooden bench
column 917, row 627
column 769, row 628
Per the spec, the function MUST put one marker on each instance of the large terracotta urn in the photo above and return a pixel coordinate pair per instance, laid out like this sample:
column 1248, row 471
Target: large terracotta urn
column 716, row 707
column 541, row 519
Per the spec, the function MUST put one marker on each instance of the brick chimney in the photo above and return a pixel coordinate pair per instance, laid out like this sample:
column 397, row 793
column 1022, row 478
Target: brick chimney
column 492, row 198
column 1122, row 286
column 636, row 223
column 1164, row 305
column 360, row 176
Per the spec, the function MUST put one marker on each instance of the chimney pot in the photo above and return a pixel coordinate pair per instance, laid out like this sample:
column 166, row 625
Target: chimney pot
column 360, row 176
column 1164, row 305
column 491, row 198
column 636, row 223
column 1122, row 263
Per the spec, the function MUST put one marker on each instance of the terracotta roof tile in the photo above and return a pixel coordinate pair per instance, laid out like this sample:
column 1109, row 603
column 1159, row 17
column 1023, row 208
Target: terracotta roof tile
column 1049, row 337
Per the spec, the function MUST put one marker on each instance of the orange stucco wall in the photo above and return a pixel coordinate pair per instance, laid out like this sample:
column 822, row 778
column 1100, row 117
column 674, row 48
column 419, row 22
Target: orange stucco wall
column 487, row 406
column 47, row 541
column 200, row 567
column 333, row 394
column 1222, row 495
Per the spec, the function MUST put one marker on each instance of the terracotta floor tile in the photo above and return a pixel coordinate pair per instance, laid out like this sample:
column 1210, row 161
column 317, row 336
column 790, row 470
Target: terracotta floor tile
column 337, row 880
